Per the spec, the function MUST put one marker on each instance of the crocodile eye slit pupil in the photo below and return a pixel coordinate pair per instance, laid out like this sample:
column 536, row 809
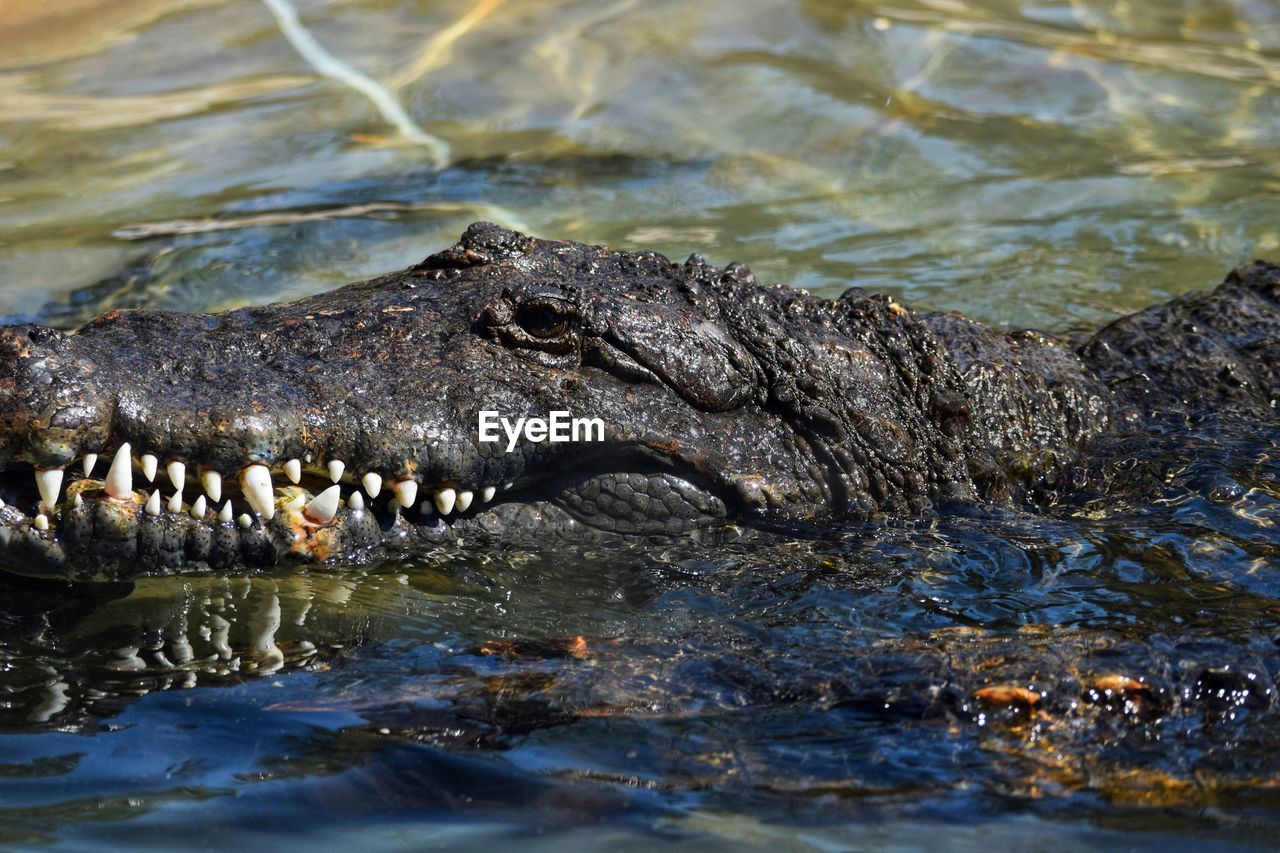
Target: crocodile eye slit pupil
column 542, row 321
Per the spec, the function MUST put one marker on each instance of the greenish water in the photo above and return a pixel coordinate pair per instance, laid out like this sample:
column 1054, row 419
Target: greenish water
column 1036, row 163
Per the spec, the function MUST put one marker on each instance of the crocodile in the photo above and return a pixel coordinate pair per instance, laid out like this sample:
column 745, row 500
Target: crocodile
column 346, row 427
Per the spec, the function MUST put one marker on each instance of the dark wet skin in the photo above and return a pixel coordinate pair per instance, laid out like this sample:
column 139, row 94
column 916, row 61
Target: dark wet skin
column 725, row 402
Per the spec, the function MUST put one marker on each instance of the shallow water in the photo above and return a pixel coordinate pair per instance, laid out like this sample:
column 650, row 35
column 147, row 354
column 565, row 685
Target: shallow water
column 1050, row 164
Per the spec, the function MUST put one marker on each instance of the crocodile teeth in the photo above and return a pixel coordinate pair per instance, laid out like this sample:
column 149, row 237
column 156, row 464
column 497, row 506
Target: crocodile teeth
column 90, row 459
column 255, row 481
column 153, row 503
column 293, row 470
column 245, row 521
column 507, row 485
column 445, row 499
column 5, row 533
column 175, row 502
column 2, row 504
column 177, row 475
column 49, row 483
column 41, row 522
column 372, row 483
column 119, row 483
column 324, row 506
column 77, row 501
column 296, row 502
column 406, row 492
column 225, row 514
column 149, row 464
column 487, row 493
column 198, row 508
column 356, row 501
column 212, row 482
column 464, row 500
column 336, row 467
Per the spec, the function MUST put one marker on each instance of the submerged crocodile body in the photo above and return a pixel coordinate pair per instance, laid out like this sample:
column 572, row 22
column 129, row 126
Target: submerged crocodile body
column 344, row 427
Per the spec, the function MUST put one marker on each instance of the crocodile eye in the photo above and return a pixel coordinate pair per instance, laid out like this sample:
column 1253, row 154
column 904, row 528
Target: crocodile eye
column 544, row 320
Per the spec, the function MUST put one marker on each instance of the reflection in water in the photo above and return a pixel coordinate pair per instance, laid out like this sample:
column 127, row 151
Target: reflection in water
column 1108, row 668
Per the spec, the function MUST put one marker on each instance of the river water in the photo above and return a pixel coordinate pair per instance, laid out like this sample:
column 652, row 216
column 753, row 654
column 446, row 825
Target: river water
column 1051, row 164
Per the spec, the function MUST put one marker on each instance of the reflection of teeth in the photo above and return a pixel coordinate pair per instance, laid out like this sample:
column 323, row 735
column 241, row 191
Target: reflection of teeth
column 406, row 492
column 356, row 501
column 324, row 506
column 149, row 464
column 464, row 500
column 372, row 483
column 198, row 508
column 487, row 493
column 49, row 484
column 90, row 459
column 153, row 503
column 255, row 481
column 119, row 483
column 212, row 482
column 225, row 514
column 293, row 470
column 336, row 467
column 41, row 522
column 445, row 499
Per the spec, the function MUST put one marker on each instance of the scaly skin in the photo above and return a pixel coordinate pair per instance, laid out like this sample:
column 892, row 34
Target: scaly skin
column 723, row 400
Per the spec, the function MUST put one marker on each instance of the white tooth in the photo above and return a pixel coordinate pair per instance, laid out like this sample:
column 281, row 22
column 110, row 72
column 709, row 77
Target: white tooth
column 464, row 500
column 255, row 481
column 406, row 492
column 245, row 521
column 307, row 457
column 90, row 459
column 175, row 502
column 487, row 493
column 77, row 501
column 1, row 504
column 293, row 470
column 41, row 522
column 198, row 508
column 177, row 475
column 324, row 506
column 49, row 483
column 5, row 533
column 296, row 502
column 212, row 482
column 372, row 483
column 226, row 512
column 119, row 484
column 507, row 485
column 149, row 463
column 153, row 503
column 356, row 501
column 445, row 499
column 336, row 467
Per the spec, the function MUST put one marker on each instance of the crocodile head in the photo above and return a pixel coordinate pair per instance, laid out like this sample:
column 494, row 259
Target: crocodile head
column 152, row 441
